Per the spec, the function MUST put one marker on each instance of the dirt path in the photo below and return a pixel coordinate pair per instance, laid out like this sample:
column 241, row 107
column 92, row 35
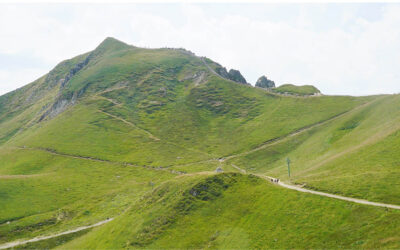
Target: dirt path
column 238, row 168
column 301, row 189
column 51, row 151
column 149, row 133
column 296, row 132
column 355, row 200
column 109, row 100
column 21, row 176
column 385, row 131
column 360, row 201
column 130, row 124
column 39, row 238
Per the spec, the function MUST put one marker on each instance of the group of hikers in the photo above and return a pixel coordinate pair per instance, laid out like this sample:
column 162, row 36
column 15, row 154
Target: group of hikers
column 274, row 180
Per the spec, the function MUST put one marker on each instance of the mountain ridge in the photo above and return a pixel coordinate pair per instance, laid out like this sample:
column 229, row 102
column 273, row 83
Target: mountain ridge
column 155, row 138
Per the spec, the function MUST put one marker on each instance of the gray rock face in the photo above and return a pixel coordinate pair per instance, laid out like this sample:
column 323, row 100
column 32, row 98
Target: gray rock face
column 62, row 103
column 236, row 76
column 264, row 82
column 233, row 74
column 58, row 107
column 222, row 72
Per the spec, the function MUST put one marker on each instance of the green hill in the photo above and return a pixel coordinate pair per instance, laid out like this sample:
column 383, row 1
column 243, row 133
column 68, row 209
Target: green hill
column 296, row 90
column 131, row 133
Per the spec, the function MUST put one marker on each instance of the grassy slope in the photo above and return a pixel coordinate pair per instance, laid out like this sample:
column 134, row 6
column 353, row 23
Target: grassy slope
column 146, row 88
column 354, row 155
column 293, row 89
column 147, row 107
column 42, row 192
column 20, row 108
column 235, row 211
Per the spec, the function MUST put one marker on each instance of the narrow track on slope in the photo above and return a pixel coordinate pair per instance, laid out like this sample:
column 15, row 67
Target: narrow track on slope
column 51, row 151
column 149, row 133
column 131, row 124
column 279, row 139
column 21, row 176
column 360, row 201
column 304, row 190
column 39, row 238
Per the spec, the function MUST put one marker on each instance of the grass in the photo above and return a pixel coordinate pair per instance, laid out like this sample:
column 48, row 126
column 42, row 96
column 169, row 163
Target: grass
column 143, row 116
column 66, row 192
column 297, row 90
column 51, row 243
column 236, row 211
column 354, row 155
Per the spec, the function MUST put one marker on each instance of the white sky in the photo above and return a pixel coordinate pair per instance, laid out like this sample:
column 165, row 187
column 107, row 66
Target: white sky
column 340, row 48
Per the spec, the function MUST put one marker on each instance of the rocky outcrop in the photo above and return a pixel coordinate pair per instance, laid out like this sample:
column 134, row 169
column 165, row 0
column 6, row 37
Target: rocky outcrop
column 62, row 102
column 75, row 70
column 233, row 74
column 236, row 76
column 58, row 106
column 264, row 82
column 222, row 72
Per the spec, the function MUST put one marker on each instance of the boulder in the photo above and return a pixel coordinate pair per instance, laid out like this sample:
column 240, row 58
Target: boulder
column 219, row 170
column 222, row 72
column 264, row 82
column 236, row 76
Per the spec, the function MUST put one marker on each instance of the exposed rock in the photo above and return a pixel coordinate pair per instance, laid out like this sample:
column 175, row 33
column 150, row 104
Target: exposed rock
column 222, row 72
column 219, row 170
column 264, row 82
column 75, row 70
column 163, row 91
column 198, row 77
column 235, row 76
column 59, row 106
column 62, row 102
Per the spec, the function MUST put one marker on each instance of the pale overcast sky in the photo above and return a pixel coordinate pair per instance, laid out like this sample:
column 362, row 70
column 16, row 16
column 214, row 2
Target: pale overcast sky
column 349, row 49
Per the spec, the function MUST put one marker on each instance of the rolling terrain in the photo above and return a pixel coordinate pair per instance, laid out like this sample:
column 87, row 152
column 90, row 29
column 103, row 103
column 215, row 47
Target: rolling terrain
column 136, row 135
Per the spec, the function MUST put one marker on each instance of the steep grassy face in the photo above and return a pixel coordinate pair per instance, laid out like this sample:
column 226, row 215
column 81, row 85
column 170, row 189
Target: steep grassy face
column 168, row 102
column 136, row 134
column 21, row 108
column 297, row 90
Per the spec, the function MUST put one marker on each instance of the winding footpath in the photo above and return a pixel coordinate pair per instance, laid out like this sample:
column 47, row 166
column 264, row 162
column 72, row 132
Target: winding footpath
column 52, row 151
column 299, row 131
column 339, row 197
column 304, row 190
column 39, row 238
column 360, row 201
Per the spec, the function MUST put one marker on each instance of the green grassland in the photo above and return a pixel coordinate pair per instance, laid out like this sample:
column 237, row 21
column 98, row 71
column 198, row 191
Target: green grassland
column 41, row 191
column 298, row 90
column 132, row 133
column 242, row 212
column 354, row 155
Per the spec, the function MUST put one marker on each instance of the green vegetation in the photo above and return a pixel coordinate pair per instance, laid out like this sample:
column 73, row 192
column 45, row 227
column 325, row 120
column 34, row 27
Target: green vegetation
column 353, row 155
column 52, row 243
column 296, row 90
column 237, row 211
column 137, row 134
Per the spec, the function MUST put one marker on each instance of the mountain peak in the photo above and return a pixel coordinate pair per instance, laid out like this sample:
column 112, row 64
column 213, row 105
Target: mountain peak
column 113, row 44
